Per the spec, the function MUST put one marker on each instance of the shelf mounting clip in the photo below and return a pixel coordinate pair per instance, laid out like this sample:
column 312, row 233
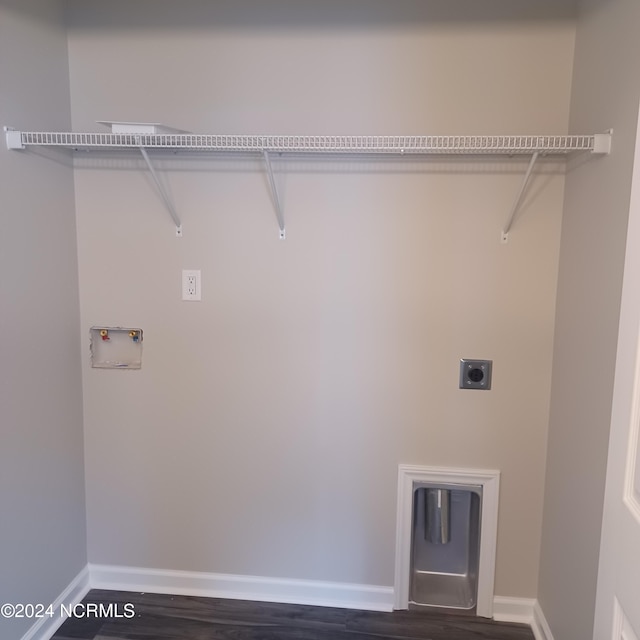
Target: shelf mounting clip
column 165, row 197
column 274, row 193
column 514, row 209
column 13, row 138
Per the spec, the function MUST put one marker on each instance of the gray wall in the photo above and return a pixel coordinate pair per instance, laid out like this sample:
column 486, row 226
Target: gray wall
column 262, row 434
column 604, row 94
column 42, row 526
column 257, row 333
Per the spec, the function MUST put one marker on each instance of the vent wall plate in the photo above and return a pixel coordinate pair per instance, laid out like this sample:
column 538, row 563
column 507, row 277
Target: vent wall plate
column 475, row 374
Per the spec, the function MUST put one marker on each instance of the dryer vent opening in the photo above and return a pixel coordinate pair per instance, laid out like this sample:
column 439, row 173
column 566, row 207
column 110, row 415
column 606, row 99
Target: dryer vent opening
column 446, row 538
column 445, row 546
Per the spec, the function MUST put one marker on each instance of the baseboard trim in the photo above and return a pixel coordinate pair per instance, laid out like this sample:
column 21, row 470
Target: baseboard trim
column 540, row 626
column 513, row 609
column 44, row 628
column 523, row 610
column 259, row 589
column 235, row 587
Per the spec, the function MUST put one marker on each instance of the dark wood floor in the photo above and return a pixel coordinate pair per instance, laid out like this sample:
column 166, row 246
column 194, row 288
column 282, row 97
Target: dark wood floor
column 165, row 617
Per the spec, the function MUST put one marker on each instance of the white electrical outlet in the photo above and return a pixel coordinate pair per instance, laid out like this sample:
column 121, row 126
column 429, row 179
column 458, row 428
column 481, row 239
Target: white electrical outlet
column 191, row 284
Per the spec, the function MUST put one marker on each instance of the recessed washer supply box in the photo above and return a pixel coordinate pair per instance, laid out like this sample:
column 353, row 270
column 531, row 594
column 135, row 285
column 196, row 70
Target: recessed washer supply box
column 116, row 347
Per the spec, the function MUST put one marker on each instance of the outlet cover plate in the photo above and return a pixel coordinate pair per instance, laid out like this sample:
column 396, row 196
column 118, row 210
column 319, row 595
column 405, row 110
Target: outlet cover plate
column 475, row 374
column 191, row 285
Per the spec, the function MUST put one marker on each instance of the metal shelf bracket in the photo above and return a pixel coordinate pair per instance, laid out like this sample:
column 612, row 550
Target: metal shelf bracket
column 601, row 144
column 516, row 204
column 165, row 197
column 274, row 193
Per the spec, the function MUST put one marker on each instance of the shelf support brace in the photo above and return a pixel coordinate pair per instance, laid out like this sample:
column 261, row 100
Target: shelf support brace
column 167, row 201
column 274, row 193
column 516, row 204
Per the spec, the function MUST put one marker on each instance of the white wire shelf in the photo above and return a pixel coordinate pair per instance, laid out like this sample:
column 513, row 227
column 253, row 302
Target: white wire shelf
column 143, row 136
column 399, row 145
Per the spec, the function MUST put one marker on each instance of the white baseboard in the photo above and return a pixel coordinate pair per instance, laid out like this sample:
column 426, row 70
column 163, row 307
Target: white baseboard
column 513, row 609
column 540, row 626
column 525, row 611
column 215, row 585
column 77, row 589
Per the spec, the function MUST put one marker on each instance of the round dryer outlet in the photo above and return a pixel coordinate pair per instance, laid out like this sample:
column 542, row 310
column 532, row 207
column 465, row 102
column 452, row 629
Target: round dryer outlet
column 475, row 374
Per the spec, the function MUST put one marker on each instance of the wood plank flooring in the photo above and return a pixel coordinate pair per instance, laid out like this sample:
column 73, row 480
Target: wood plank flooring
column 166, row 617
